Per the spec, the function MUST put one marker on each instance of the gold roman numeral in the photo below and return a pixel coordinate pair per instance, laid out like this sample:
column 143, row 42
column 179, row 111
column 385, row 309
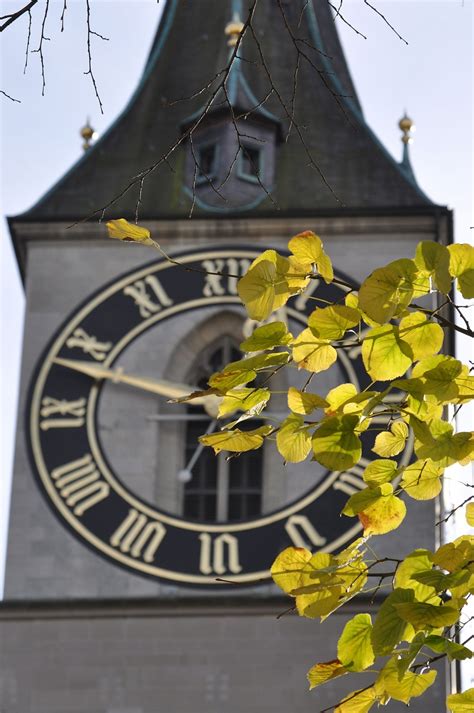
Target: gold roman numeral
column 68, row 414
column 138, row 536
column 350, row 481
column 79, row 484
column 88, row 344
column 222, row 284
column 302, row 532
column 219, row 555
column 148, row 295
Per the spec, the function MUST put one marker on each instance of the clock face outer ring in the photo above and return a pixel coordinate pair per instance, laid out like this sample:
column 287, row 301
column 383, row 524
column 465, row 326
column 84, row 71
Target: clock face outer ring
column 73, row 472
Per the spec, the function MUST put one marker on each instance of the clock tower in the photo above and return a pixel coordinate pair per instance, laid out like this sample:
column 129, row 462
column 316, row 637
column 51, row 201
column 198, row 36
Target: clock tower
column 137, row 564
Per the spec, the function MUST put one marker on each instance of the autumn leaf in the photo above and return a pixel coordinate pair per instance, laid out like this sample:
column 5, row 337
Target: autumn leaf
column 354, row 648
column 236, row 441
column 121, row 229
column 322, row 672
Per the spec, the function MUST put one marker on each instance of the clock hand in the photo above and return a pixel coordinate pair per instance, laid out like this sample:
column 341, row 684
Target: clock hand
column 162, row 387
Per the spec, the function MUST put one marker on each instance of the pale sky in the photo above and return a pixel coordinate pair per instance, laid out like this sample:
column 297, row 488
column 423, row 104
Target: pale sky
column 432, row 78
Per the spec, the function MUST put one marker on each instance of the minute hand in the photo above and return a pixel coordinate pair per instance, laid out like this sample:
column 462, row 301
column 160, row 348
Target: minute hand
column 156, row 386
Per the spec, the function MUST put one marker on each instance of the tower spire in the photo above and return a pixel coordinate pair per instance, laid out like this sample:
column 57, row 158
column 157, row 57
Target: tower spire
column 407, row 126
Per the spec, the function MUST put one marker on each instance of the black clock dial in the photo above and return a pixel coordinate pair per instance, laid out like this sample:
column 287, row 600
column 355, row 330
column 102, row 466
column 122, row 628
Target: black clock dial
column 122, row 468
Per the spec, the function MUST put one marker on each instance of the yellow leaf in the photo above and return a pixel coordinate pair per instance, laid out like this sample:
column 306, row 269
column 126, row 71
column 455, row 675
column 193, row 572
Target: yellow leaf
column 267, row 336
column 340, row 395
column 360, row 701
column 403, row 688
column 455, row 555
column 293, row 439
column 380, row 471
column 433, row 259
column 354, row 647
column 388, row 289
column 461, row 265
column 421, row 480
column 470, row 514
column 332, row 322
column 335, row 443
column 289, row 568
column 236, row 441
column 265, row 287
column 384, row 354
column 461, row 702
column 308, row 249
column 313, row 354
column 303, row 402
column 129, row 232
column 322, row 672
column 425, row 338
column 391, row 443
column 243, row 400
column 385, row 515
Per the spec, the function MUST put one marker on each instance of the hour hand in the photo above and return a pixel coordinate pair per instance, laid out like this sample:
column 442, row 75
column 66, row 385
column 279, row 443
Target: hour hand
column 163, row 387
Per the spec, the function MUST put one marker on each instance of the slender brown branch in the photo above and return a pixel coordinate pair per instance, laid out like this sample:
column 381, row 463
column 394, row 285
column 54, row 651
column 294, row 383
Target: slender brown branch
column 15, row 15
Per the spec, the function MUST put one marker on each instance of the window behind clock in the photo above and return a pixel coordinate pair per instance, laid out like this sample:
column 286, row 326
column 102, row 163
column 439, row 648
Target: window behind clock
column 221, row 489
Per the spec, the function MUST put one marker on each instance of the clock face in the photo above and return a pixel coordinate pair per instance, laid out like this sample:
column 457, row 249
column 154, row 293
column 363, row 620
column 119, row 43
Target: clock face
column 122, row 467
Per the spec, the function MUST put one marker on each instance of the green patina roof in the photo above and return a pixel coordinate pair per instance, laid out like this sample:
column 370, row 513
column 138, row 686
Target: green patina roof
column 189, row 48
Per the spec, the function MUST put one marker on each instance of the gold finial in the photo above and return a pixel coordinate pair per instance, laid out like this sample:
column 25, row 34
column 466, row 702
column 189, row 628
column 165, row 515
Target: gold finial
column 87, row 133
column 233, row 30
column 406, row 125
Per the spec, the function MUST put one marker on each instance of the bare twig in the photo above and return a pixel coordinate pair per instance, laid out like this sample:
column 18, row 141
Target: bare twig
column 18, row 101
column 62, row 15
column 27, row 50
column 15, row 15
column 385, row 20
column 39, row 50
column 90, row 71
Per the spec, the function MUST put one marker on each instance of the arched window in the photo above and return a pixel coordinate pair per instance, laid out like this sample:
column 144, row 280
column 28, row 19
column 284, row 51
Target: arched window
column 219, row 489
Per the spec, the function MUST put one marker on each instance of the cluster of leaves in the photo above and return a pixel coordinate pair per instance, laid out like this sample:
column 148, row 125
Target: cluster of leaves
column 400, row 342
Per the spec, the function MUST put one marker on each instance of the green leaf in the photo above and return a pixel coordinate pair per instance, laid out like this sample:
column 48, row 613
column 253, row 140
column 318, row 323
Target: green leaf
column 354, row 648
column 129, row 232
column 384, row 354
column 422, row 615
column 312, row 353
column 335, row 444
column 388, row 289
column 454, row 650
column 293, row 439
column 403, row 688
column 333, row 322
column 433, row 259
column 322, row 672
column 303, row 402
column 391, row 443
column 421, row 480
column 461, row 702
column 389, row 627
column 244, row 400
column 461, row 265
column 441, row 581
column 236, row 441
column 424, row 337
column 380, row 471
column 274, row 334
column 417, row 561
column 231, row 378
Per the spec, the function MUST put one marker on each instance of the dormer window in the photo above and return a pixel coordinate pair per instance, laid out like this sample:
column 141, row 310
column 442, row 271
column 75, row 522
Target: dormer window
column 206, row 156
column 251, row 164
